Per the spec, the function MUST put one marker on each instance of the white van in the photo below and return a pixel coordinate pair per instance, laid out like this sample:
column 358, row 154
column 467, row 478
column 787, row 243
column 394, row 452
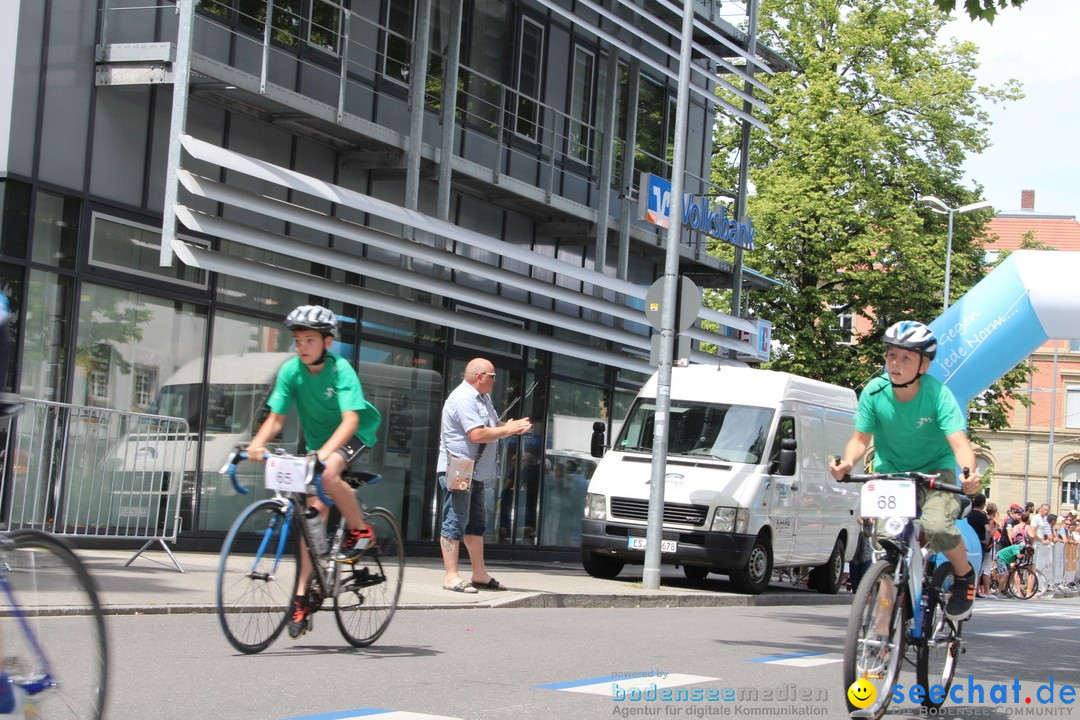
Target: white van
column 747, row 487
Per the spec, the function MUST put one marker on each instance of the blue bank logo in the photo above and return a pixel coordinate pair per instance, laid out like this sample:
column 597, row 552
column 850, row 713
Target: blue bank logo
column 654, row 206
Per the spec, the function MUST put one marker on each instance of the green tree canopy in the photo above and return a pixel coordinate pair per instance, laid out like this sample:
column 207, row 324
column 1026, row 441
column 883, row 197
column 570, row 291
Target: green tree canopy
column 979, row 9
column 878, row 114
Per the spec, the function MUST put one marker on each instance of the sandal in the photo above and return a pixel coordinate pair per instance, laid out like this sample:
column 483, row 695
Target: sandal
column 461, row 587
column 491, row 584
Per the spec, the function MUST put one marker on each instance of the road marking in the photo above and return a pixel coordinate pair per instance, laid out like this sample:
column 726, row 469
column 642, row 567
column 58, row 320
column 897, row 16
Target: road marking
column 1002, row 633
column 605, row 685
column 380, row 713
column 801, row 659
column 1055, row 627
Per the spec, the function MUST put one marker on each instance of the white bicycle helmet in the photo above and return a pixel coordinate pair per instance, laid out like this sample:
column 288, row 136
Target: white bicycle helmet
column 313, row 317
column 911, row 335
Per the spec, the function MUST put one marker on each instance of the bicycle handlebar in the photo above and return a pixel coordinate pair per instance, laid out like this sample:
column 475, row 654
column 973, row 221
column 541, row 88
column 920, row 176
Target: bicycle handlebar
column 315, row 467
column 929, row 481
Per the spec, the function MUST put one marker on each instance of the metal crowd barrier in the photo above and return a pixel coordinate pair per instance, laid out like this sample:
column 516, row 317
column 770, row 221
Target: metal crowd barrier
column 1057, row 562
column 94, row 473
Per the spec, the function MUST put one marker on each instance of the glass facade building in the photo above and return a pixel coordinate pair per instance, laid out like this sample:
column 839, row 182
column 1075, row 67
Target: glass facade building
column 511, row 134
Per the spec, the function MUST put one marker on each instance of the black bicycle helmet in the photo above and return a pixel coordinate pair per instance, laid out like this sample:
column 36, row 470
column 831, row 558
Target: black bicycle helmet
column 313, row 317
column 912, row 335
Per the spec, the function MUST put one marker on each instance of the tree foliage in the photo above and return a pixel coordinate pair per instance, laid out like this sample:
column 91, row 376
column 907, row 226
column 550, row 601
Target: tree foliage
column 878, row 114
column 979, row 9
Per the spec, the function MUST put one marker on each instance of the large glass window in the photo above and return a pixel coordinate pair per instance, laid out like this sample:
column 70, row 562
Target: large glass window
column 56, row 230
column 246, row 354
column 397, row 40
column 14, row 217
column 119, row 330
column 568, row 466
column 1072, row 406
column 254, row 295
column 530, row 64
column 11, row 286
column 581, row 105
column 408, row 393
column 129, row 246
column 46, row 323
column 1070, row 483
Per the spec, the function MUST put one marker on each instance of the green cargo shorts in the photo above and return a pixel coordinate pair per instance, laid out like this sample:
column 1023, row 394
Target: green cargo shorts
column 939, row 513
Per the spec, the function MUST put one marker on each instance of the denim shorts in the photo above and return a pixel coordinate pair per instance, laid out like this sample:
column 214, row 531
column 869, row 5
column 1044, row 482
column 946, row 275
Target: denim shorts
column 463, row 512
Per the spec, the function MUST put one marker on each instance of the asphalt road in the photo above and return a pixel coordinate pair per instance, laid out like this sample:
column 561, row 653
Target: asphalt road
column 568, row 663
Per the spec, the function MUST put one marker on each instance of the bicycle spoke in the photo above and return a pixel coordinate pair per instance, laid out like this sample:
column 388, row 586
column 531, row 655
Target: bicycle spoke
column 57, row 651
column 254, row 585
column 939, row 648
column 874, row 644
column 369, row 589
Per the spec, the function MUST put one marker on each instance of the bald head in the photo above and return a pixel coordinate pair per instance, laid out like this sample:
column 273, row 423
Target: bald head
column 480, row 373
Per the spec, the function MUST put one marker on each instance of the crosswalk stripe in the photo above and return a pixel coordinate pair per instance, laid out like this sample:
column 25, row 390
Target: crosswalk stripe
column 809, row 659
column 606, row 685
column 379, row 713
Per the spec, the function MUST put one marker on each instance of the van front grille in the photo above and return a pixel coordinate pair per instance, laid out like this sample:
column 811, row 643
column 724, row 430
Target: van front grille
column 674, row 513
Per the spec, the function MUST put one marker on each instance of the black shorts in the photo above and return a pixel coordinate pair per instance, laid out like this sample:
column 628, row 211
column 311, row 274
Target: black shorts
column 351, row 450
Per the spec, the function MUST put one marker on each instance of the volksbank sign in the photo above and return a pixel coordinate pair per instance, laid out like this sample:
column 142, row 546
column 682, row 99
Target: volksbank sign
column 654, row 206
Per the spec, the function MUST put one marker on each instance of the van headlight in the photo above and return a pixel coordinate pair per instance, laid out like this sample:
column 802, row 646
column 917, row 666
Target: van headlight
column 729, row 519
column 595, row 506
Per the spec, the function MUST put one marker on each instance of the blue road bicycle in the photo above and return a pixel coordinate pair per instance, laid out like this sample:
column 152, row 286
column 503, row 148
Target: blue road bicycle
column 900, row 602
column 260, row 560
column 52, row 630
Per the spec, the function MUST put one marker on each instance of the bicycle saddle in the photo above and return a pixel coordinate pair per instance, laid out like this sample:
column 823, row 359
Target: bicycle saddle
column 356, row 478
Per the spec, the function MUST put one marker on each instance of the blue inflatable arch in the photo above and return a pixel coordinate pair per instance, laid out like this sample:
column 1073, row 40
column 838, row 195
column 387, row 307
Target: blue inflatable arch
column 1031, row 297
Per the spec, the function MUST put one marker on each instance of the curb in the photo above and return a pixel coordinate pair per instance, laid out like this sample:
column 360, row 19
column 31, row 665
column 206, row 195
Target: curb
column 549, row 600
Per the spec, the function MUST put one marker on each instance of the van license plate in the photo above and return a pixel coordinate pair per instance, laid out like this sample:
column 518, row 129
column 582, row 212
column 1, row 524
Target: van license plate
column 638, row 543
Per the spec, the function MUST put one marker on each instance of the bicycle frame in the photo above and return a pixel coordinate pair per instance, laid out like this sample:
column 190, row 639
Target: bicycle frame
column 46, row 681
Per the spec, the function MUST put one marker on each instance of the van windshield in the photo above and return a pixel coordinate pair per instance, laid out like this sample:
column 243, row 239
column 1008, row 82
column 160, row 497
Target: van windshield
column 734, row 433
column 231, row 408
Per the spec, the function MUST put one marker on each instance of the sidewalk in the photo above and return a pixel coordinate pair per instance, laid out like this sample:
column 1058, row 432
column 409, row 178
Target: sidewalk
column 152, row 584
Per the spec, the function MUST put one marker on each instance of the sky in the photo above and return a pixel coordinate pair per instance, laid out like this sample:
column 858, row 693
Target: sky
column 1035, row 142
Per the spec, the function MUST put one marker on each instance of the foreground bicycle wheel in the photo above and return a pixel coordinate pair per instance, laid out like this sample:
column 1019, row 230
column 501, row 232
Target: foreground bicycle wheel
column 257, row 576
column 368, row 590
column 874, row 643
column 1023, row 582
column 52, row 629
column 936, row 655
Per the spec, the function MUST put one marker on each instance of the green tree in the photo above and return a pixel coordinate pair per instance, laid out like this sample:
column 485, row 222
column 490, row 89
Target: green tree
column 979, row 9
column 878, row 114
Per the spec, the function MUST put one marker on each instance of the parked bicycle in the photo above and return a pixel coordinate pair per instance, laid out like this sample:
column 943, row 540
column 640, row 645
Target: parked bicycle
column 901, row 599
column 258, row 573
column 52, row 630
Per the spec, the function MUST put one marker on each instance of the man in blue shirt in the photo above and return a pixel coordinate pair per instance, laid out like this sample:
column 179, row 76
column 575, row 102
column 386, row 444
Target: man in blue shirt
column 469, row 425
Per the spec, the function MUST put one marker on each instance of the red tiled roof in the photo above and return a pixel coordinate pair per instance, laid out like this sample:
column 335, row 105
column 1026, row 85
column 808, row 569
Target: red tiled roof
column 1061, row 232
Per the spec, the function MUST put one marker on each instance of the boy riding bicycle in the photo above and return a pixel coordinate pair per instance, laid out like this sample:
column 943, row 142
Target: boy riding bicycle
column 917, row 426
column 338, row 424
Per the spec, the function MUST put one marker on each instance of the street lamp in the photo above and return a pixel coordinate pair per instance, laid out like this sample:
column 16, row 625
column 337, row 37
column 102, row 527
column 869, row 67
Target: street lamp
column 938, row 206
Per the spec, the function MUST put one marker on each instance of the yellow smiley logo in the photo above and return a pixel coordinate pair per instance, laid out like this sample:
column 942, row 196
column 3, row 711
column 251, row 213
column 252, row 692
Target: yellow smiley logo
column 861, row 694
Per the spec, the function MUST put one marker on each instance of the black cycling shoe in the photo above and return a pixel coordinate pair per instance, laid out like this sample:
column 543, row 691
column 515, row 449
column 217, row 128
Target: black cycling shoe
column 299, row 618
column 962, row 598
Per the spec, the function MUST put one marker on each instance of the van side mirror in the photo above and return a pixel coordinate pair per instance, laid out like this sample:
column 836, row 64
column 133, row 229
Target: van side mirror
column 786, row 464
column 596, row 446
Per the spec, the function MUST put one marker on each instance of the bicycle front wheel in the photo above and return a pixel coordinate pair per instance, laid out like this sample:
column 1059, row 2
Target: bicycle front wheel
column 257, row 575
column 939, row 649
column 367, row 591
column 1023, row 582
column 52, row 628
column 874, row 643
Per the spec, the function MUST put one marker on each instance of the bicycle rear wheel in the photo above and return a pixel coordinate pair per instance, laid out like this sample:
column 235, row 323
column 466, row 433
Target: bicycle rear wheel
column 367, row 591
column 1023, row 582
column 257, row 575
column 52, row 627
column 937, row 653
column 874, row 643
